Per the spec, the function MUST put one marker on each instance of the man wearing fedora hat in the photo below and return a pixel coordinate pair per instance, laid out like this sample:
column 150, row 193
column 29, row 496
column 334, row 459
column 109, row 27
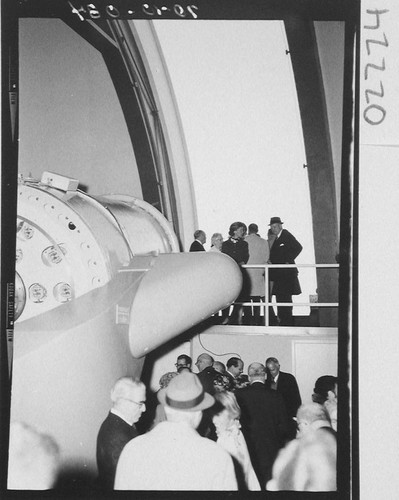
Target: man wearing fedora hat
column 285, row 249
column 173, row 456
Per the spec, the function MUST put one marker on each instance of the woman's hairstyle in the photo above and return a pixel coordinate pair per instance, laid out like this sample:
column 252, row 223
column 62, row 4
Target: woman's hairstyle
column 227, row 401
column 216, row 236
column 322, row 386
column 166, row 378
column 235, row 226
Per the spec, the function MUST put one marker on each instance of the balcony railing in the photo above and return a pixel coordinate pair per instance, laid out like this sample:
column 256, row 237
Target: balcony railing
column 264, row 305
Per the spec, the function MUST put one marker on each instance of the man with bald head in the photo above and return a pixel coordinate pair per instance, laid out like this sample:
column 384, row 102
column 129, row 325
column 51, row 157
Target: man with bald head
column 206, row 372
column 263, row 420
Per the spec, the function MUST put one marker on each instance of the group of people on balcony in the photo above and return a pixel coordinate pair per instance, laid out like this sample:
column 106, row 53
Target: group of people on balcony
column 281, row 247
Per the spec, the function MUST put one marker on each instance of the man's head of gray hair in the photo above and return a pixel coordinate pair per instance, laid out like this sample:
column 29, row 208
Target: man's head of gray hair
column 219, row 366
column 124, row 387
column 256, row 371
column 203, row 361
column 129, row 398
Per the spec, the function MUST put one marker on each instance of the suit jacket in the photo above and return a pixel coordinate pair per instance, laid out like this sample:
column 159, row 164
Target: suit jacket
column 288, row 388
column 230, row 377
column 196, row 246
column 285, row 249
column 264, row 425
column 114, row 433
column 237, row 250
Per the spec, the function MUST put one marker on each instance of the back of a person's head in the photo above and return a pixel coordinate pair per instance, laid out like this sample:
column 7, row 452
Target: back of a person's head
column 227, row 401
column 256, row 371
column 198, row 233
column 191, row 418
column 219, row 366
column 33, row 459
column 206, row 359
column 307, row 464
column 253, row 228
column 322, row 386
column 312, row 412
column 123, row 388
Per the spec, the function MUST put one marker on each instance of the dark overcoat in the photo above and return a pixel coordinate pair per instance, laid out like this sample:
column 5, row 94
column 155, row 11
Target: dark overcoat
column 264, row 424
column 196, row 247
column 285, row 249
column 113, row 435
column 287, row 386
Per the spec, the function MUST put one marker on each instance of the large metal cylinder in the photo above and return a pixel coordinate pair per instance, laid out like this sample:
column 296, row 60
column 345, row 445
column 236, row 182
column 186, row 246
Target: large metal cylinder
column 100, row 283
column 69, row 243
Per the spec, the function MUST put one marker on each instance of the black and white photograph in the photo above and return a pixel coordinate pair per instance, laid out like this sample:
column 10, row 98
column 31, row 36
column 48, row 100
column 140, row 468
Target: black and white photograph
column 189, row 192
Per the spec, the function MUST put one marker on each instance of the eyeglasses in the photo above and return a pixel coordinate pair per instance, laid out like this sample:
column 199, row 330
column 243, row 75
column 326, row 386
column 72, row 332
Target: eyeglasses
column 179, row 365
column 140, row 403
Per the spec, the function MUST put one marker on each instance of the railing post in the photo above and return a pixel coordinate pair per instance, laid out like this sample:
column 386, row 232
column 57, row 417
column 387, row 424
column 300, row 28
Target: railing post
column 266, row 295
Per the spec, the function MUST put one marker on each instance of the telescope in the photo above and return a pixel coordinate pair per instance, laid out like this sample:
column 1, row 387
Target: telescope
column 100, row 282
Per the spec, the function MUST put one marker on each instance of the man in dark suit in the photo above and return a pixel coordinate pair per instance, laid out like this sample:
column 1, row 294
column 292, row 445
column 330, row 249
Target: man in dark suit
column 263, row 420
column 235, row 367
column 206, row 372
column 285, row 249
column 128, row 396
column 199, row 241
column 286, row 385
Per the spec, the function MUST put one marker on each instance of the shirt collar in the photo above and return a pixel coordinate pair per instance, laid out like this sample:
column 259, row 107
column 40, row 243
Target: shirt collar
column 276, row 377
column 121, row 415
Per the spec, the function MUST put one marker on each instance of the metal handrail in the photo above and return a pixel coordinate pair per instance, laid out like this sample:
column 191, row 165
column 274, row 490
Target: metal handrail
column 267, row 303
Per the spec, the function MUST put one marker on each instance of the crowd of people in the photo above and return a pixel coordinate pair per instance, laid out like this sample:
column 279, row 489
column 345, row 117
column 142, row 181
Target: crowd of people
column 217, row 428
column 246, row 246
column 214, row 428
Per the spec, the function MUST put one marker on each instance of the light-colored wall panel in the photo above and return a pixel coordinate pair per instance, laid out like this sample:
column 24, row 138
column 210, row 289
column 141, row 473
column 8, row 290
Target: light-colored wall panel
column 292, row 351
column 312, row 359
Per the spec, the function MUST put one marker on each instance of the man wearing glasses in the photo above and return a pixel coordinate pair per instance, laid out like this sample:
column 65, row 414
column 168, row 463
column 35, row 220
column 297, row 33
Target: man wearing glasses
column 128, row 398
column 183, row 361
